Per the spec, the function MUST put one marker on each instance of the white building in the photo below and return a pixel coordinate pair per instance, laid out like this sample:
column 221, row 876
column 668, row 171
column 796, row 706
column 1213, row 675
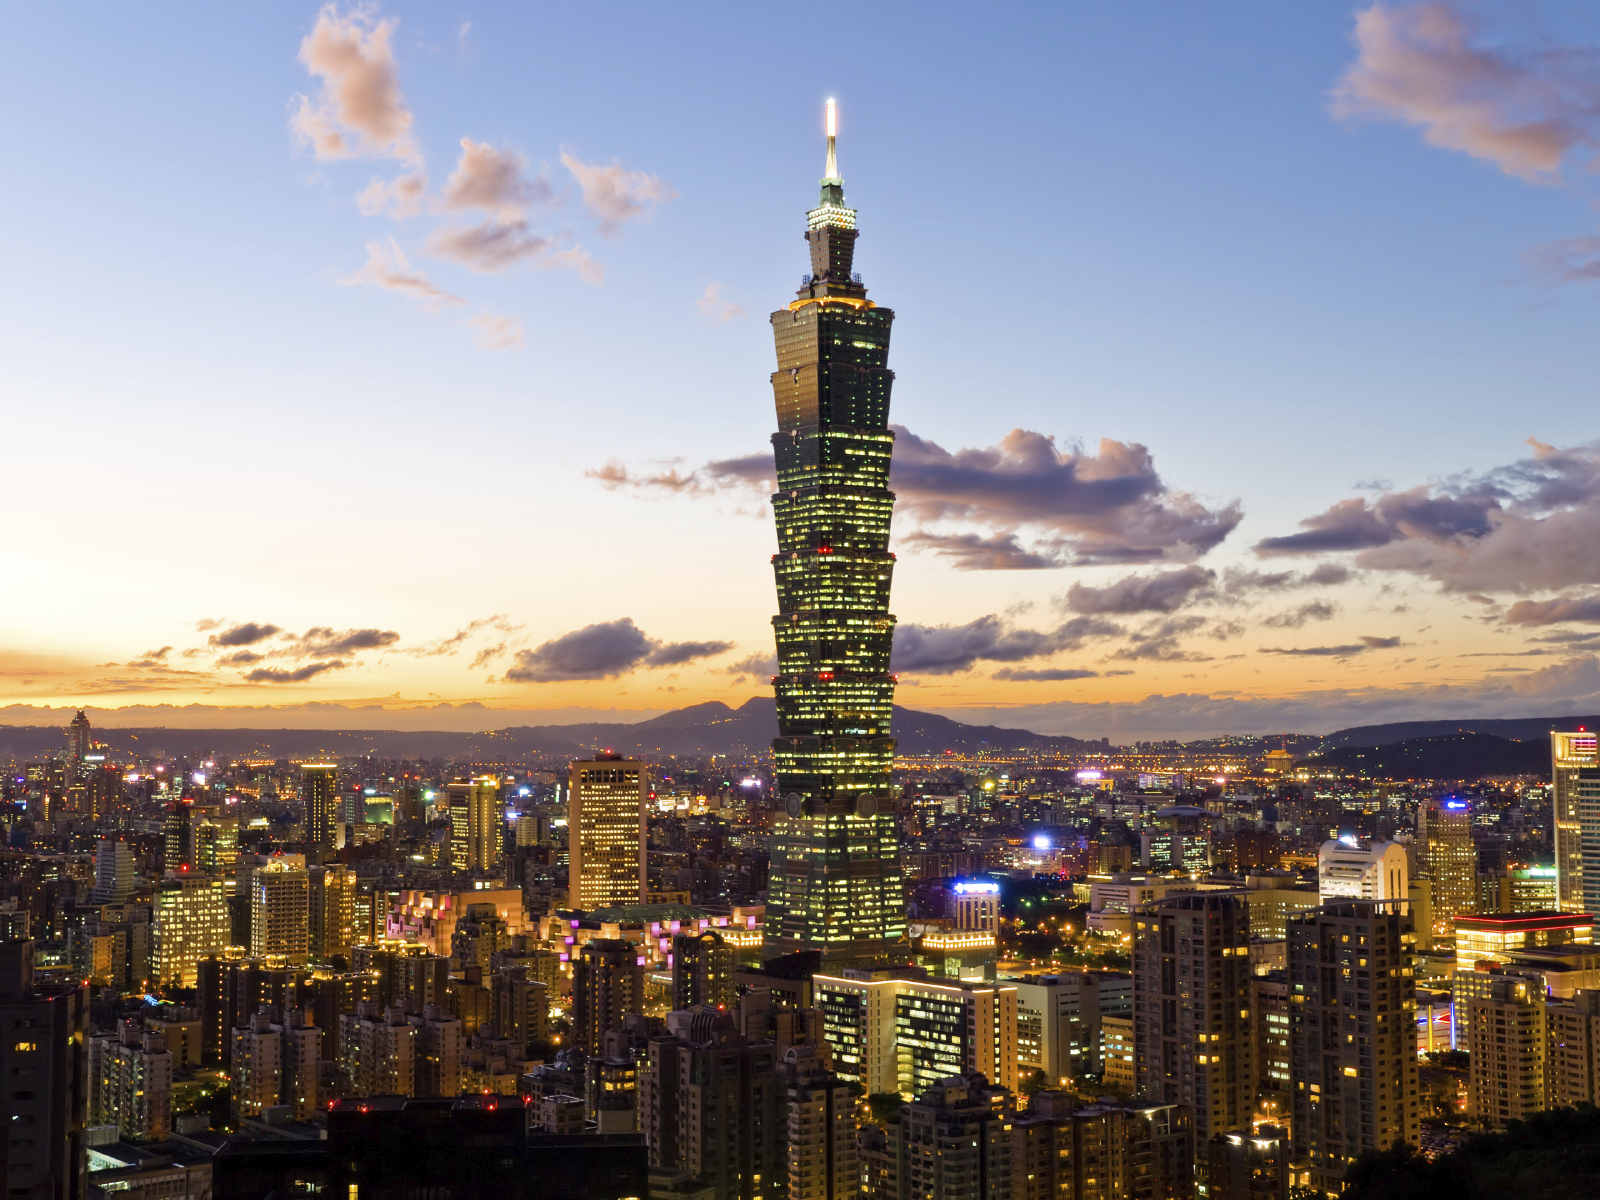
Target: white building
column 1348, row 870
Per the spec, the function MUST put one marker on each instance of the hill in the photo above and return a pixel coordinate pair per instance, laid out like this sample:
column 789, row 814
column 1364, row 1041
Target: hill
column 1517, row 729
column 700, row 729
column 1452, row 756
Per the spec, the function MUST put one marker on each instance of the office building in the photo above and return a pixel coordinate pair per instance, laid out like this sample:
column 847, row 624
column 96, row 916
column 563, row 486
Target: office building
column 330, row 902
column 1353, row 1036
column 279, row 897
column 711, row 1104
column 1059, row 1021
column 607, row 986
column 130, row 1083
column 1193, row 1028
column 1505, row 1032
column 177, row 839
column 606, row 828
column 80, row 740
column 903, row 1035
column 834, row 883
column 1445, row 850
column 977, row 905
column 216, row 843
column 475, row 838
column 46, row 1154
column 702, row 971
column 1493, row 938
column 1180, row 842
column 1348, row 870
column 190, row 921
column 1570, row 755
column 319, row 786
column 114, row 871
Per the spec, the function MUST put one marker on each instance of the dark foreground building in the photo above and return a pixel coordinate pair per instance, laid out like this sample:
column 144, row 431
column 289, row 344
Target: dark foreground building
column 471, row 1148
column 834, row 884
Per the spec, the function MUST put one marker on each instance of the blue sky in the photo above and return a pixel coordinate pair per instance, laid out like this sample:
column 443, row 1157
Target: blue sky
column 1137, row 222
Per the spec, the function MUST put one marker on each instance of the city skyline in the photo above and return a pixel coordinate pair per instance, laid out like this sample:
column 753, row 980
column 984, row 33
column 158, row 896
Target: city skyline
column 1262, row 410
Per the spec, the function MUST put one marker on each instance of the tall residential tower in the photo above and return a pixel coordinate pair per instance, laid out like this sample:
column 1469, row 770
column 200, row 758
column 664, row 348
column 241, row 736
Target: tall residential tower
column 835, row 878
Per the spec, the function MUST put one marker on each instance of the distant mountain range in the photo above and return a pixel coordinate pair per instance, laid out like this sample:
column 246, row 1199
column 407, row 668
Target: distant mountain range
column 1519, row 729
column 700, row 729
column 1451, row 756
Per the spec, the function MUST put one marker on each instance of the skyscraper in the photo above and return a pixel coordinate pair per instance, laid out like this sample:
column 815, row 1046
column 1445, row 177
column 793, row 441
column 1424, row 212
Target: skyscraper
column 475, row 824
column 191, row 922
column 319, row 782
column 1570, row 753
column 1447, row 853
column 79, row 742
column 606, row 854
column 835, row 876
column 280, row 909
column 113, row 871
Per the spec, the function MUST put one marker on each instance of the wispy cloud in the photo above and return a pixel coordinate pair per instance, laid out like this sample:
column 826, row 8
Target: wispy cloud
column 1426, row 65
column 387, row 268
column 615, row 195
column 496, row 332
column 716, row 307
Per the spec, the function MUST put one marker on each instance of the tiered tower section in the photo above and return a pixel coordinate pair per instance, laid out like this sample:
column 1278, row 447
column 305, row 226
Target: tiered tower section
column 835, row 883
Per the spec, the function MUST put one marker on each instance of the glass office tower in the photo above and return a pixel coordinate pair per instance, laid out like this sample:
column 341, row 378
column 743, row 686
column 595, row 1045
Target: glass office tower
column 834, row 884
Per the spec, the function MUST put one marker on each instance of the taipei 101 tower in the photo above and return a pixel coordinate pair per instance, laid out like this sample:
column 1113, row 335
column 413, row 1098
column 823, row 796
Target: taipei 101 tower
column 834, row 883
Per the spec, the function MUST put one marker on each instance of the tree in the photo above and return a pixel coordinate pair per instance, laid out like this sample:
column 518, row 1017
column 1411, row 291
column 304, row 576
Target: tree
column 885, row 1107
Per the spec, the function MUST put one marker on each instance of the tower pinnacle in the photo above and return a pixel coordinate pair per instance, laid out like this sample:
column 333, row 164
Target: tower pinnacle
column 831, row 171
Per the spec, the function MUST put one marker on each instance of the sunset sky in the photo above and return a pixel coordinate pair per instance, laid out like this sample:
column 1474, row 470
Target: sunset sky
column 406, row 365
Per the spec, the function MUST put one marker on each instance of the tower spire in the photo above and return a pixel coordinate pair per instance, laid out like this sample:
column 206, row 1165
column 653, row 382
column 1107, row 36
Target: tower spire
column 831, row 171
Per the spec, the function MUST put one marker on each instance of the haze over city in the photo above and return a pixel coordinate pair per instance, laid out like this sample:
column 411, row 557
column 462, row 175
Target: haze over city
column 405, row 366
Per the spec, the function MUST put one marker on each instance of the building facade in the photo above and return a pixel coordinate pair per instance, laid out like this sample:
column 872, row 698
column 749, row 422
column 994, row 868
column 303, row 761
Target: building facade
column 190, row 922
column 1570, row 755
column 606, row 824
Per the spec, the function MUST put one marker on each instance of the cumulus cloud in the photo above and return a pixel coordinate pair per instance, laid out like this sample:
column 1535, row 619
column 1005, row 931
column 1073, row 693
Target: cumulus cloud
column 247, row 634
column 1361, row 647
column 388, row 269
column 1044, row 674
column 1526, row 527
column 757, row 666
column 1158, row 642
column 1107, row 507
column 603, row 651
column 975, row 552
column 240, row 658
column 492, row 180
column 295, row 675
column 359, row 110
column 615, row 195
column 320, row 641
column 716, row 307
column 496, row 332
column 948, row 649
column 1550, row 612
column 1424, row 65
column 1294, row 618
column 1165, row 592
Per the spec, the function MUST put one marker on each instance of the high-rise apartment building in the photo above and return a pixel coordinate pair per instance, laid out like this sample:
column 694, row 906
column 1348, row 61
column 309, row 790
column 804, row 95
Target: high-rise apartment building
column 1058, row 1021
column 1348, row 870
column 834, row 884
column 702, row 971
column 1353, row 1036
column 1446, row 851
column 1572, row 1073
column 440, row 1042
column 130, row 1083
column 279, row 892
column 475, row 821
column 331, row 894
column 955, row 1142
column 1570, row 755
column 46, row 1156
column 319, row 787
column 607, row 985
column 379, row 1052
column 820, row 1128
column 1505, row 1035
column 606, row 832
column 904, row 1035
column 190, row 921
column 711, row 1104
column 255, row 1075
column 114, row 871
column 1194, row 1036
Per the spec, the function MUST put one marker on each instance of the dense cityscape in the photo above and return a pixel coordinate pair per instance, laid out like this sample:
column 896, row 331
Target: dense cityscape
column 822, row 946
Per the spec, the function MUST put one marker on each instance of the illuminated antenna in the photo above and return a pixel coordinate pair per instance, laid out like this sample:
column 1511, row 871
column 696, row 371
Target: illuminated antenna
column 832, row 122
